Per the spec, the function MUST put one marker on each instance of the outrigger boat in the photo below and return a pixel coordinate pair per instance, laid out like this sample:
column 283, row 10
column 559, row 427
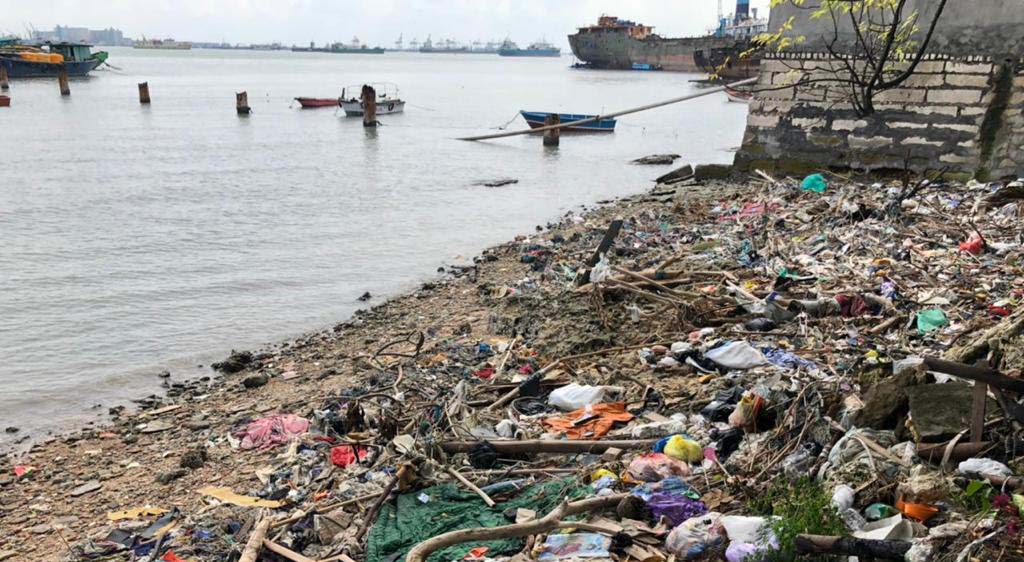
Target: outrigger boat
column 387, row 99
column 536, row 119
column 312, row 103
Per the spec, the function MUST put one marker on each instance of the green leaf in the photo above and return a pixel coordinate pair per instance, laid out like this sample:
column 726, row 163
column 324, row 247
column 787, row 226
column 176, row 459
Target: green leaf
column 974, row 486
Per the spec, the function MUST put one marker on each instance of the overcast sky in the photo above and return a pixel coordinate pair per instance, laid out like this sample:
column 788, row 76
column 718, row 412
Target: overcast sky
column 373, row 21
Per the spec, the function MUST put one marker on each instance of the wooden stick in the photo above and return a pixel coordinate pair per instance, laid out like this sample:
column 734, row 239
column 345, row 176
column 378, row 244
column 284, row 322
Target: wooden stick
column 286, row 552
column 549, row 522
column 473, row 487
column 606, row 242
column 371, row 515
column 252, row 547
column 979, row 374
column 547, row 446
column 321, row 509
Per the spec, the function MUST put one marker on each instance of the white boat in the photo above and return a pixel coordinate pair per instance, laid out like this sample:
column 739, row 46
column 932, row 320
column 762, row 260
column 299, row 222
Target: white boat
column 388, row 100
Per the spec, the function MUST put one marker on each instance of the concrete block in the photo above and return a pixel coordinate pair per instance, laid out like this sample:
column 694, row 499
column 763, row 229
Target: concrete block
column 956, row 159
column 924, row 80
column 1017, row 98
column 959, row 97
column 848, row 124
column 958, row 127
column 901, row 95
column 920, row 141
column 940, row 411
column 967, row 80
column 776, row 106
column 807, row 123
column 811, row 94
column 966, row 144
column 932, row 110
column 776, row 65
column 903, row 125
column 930, row 67
column 971, row 111
column 1018, row 81
column 968, row 68
column 785, row 94
column 766, row 121
column 863, row 143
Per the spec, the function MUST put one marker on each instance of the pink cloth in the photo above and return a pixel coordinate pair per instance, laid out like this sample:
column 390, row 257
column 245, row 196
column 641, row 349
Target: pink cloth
column 273, row 430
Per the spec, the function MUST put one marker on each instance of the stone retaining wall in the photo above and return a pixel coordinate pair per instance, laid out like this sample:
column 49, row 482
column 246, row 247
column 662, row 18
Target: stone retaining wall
column 962, row 114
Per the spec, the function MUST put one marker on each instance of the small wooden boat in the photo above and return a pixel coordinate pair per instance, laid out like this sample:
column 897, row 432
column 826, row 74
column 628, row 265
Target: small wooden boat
column 738, row 96
column 536, row 119
column 311, row 103
column 388, row 100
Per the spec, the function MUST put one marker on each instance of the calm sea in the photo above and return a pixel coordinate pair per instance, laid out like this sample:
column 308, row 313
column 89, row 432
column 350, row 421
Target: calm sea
column 136, row 239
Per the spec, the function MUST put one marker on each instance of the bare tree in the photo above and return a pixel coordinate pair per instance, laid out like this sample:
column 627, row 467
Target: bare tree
column 873, row 43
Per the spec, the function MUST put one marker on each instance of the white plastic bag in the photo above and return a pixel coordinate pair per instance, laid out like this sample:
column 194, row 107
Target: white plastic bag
column 601, row 271
column 695, row 535
column 736, row 355
column 842, row 497
column 984, row 467
column 573, row 396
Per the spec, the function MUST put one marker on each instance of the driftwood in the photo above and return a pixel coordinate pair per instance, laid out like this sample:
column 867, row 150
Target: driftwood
column 473, row 487
column 979, row 345
column 547, row 446
column 285, row 552
column 548, row 523
column 252, row 547
column 850, row 546
column 606, row 242
column 961, row 451
column 979, row 374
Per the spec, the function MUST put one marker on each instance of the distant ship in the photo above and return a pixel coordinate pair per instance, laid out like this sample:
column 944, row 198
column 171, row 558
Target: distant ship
column 355, row 47
column 46, row 60
column 539, row 49
column 163, row 44
column 621, row 44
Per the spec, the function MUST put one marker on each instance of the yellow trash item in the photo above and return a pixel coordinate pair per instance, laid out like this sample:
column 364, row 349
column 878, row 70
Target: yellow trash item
column 601, row 473
column 681, row 448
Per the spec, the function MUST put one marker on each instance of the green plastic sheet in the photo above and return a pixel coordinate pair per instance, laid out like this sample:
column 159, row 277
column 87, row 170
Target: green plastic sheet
column 815, row 183
column 399, row 528
column 931, row 320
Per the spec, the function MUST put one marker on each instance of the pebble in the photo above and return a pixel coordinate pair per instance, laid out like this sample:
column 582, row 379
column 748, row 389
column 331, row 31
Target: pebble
column 168, row 477
column 86, row 488
column 255, row 381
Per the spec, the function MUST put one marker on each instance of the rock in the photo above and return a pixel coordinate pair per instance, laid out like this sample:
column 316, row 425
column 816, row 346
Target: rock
column 87, row 488
column 130, row 439
column 924, row 486
column 939, row 411
column 497, row 182
column 911, row 367
column 40, row 529
column 164, row 374
column 6, row 481
column 365, row 296
column 884, row 403
column 256, row 381
column 12, row 429
column 194, row 459
column 197, row 425
column 7, row 554
column 679, row 174
column 712, row 172
column 657, row 159
column 156, row 427
column 237, row 361
column 168, row 477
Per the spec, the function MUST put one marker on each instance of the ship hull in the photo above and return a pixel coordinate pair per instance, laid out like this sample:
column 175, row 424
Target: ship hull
column 17, row 68
column 530, row 52
column 698, row 54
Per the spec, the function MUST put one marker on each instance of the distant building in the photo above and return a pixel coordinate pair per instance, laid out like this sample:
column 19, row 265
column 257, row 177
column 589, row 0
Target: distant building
column 109, row 36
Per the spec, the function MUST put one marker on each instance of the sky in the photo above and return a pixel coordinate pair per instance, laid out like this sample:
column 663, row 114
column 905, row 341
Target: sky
column 377, row 22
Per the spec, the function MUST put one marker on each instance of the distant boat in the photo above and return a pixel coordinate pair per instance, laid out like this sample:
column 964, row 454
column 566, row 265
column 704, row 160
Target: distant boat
column 354, row 48
column 163, row 44
column 538, row 49
column 446, row 46
column 311, row 103
column 47, row 59
column 388, row 100
column 738, row 96
column 536, row 119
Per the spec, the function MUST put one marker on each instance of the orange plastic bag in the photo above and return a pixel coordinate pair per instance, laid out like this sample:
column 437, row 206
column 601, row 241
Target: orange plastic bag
column 591, row 421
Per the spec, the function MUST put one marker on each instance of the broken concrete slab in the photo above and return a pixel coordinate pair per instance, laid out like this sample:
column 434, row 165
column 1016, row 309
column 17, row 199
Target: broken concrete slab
column 939, row 411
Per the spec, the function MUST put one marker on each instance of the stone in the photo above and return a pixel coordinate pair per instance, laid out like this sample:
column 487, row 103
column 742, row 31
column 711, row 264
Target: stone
column 197, row 425
column 712, row 172
column 12, row 429
column 237, row 361
column 965, row 68
column 156, row 427
column 867, row 143
column 40, row 529
column 767, row 121
column 939, row 411
column 968, row 80
column 164, row 374
column 657, row 159
column 256, row 381
column 87, row 488
column 884, row 403
column 365, row 296
column 848, row 124
column 960, row 97
column 924, row 486
column 130, row 439
column 168, row 477
column 194, row 459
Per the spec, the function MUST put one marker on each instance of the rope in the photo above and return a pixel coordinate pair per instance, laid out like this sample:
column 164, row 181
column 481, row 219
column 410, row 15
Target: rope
column 597, row 118
column 507, row 123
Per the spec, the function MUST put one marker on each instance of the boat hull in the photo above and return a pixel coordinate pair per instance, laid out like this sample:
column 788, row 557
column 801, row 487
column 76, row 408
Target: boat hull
column 535, row 119
column 530, row 52
column 355, row 108
column 19, row 68
column 312, row 103
column 617, row 50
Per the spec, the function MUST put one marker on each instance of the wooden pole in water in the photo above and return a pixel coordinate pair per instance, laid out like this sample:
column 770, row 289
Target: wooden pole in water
column 4, row 83
column 552, row 134
column 369, row 99
column 62, row 79
column 597, row 118
column 5, row 101
column 144, row 93
column 242, row 103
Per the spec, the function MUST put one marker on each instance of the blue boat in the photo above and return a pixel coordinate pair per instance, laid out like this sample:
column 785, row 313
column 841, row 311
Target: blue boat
column 47, row 60
column 536, row 119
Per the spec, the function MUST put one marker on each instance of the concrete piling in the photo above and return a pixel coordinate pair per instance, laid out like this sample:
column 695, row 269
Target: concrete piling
column 4, row 81
column 242, row 103
column 5, row 101
column 551, row 136
column 144, row 93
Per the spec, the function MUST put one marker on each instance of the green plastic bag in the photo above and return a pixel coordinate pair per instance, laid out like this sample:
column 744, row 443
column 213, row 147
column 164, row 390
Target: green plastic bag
column 815, row 183
column 931, row 320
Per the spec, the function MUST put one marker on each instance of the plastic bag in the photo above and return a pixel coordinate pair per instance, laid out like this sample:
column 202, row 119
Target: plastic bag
column 931, row 320
column 653, row 467
column 736, row 355
column 675, row 508
column 984, row 467
column 746, row 411
column 681, row 448
column 601, row 271
column 815, row 183
column 843, row 497
column 574, row 396
column 693, row 536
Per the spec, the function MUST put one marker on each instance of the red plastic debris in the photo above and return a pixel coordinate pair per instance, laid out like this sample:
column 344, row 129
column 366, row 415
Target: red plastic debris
column 485, row 373
column 343, row 456
column 975, row 246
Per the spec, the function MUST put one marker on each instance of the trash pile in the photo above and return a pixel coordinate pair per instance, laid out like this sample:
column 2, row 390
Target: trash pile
column 773, row 370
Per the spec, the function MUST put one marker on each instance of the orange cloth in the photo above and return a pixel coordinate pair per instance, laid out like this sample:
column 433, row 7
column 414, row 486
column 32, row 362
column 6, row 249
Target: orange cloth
column 605, row 416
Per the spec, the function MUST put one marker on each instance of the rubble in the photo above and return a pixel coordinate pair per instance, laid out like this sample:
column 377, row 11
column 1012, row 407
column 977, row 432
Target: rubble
column 713, row 370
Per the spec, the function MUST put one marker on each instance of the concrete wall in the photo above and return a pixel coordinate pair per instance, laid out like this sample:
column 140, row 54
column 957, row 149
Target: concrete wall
column 961, row 110
column 977, row 27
